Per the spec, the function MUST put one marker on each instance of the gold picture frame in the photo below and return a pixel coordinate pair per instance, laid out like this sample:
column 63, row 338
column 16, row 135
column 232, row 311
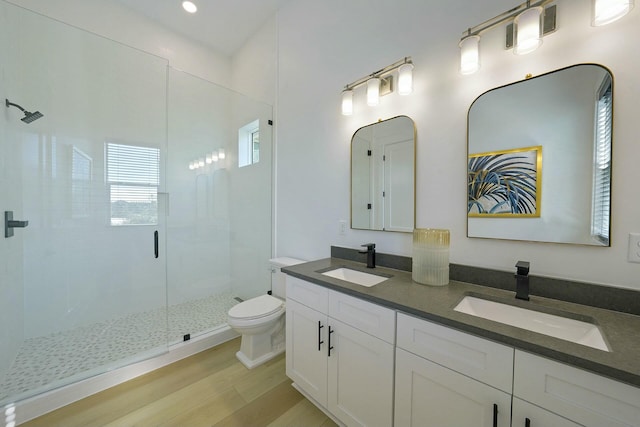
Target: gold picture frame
column 505, row 184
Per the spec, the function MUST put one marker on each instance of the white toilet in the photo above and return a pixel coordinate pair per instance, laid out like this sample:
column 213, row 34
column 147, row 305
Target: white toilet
column 260, row 320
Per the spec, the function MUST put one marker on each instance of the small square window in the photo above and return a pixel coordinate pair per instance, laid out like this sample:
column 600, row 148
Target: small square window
column 249, row 144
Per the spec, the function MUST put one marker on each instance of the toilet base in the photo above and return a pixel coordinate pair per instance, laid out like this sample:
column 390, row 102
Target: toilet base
column 252, row 363
column 259, row 348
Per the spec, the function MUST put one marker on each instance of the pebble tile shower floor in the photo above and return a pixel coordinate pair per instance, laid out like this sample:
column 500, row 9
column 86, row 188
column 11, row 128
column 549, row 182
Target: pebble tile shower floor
column 48, row 360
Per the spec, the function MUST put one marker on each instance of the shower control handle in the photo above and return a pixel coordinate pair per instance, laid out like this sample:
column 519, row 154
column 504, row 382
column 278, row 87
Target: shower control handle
column 10, row 224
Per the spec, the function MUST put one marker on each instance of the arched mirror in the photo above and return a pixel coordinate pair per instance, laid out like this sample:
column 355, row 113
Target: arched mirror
column 539, row 158
column 383, row 176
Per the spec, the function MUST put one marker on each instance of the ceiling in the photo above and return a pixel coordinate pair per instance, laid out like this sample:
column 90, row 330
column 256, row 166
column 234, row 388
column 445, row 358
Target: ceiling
column 222, row 25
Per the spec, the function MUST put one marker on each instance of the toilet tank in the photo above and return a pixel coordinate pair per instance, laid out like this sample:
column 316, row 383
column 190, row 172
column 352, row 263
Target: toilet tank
column 278, row 285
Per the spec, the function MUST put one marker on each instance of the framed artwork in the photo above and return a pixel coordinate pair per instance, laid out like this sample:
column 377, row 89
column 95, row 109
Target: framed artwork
column 505, row 183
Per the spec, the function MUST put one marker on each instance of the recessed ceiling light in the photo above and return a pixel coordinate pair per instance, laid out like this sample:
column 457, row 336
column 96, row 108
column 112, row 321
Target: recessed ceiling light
column 189, row 6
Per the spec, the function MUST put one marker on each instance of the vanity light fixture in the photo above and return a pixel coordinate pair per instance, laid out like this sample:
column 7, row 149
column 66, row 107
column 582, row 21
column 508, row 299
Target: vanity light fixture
column 209, row 159
column 526, row 24
column 606, row 11
column 189, row 6
column 379, row 84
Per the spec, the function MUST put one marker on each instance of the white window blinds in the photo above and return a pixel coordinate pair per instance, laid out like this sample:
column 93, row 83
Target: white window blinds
column 602, row 174
column 133, row 176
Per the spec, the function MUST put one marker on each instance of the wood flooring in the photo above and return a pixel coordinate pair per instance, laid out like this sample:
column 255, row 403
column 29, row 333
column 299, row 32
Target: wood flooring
column 211, row 388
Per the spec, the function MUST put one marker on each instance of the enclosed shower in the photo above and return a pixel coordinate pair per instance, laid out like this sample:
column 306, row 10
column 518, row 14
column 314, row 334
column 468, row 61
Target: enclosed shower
column 145, row 194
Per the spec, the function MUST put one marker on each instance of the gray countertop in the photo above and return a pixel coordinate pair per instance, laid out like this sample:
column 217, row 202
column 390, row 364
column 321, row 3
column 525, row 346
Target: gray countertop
column 436, row 303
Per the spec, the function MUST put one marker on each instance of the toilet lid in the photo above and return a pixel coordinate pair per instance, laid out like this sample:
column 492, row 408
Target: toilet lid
column 254, row 308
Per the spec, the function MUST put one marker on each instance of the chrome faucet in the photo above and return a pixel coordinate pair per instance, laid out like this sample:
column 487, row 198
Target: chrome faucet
column 371, row 254
column 522, row 280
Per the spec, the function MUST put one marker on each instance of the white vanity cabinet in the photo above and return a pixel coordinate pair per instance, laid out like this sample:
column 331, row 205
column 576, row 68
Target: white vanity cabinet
column 340, row 353
column 585, row 398
column 449, row 378
column 524, row 414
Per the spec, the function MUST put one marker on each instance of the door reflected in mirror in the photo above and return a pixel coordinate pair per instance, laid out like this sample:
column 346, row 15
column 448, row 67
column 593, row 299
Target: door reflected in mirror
column 560, row 195
column 383, row 176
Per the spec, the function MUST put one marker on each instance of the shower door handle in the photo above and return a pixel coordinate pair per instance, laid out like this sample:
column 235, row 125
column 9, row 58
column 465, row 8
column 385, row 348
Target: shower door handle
column 156, row 249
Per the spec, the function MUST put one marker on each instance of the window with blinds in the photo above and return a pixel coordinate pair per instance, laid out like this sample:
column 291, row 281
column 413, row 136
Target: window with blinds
column 602, row 174
column 133, row 176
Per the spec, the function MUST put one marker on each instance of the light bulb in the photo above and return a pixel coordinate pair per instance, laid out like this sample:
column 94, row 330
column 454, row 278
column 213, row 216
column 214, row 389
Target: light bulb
column 373, row 91
column 189, row 6
column 607, row 11
column 469, row 55
column 528, row 31
column 405, row 79
column 347, row 102
column 221, row 154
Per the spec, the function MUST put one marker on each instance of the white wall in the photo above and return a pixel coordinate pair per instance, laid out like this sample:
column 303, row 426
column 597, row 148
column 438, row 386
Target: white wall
column 254, row 67
column 112, row 20
column 325, row 45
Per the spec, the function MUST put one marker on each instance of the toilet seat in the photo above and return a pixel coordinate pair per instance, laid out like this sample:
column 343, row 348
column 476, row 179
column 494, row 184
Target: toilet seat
column 256, row 308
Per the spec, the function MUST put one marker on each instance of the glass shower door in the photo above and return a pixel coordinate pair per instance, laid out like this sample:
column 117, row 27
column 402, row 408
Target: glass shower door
column 85, row 289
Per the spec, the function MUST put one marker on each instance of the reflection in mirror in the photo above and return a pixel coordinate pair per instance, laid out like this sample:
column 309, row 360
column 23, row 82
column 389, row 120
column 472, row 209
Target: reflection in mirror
column 539, row 159
column 383, row 176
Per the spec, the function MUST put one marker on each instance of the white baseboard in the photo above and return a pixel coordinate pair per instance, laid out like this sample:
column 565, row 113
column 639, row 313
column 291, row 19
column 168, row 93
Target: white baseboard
column 36, row 406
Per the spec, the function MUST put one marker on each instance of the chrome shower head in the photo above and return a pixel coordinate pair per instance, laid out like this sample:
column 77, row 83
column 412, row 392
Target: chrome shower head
column 28, row 117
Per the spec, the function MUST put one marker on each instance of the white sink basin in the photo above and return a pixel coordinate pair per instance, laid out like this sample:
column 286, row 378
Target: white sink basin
column 564, row 328
column 355, row 276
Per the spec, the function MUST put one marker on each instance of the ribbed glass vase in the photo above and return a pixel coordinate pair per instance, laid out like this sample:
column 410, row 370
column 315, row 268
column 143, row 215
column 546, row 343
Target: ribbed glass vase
column 430, row 264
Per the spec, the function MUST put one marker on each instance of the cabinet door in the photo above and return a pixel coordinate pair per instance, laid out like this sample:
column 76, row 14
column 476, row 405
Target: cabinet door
column 586, row 398
column 306, row 351
column 430, row 395
column 536, row 416
column 360, row 377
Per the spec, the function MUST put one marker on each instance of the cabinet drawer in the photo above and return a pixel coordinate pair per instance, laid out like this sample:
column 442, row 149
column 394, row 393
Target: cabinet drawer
column 307, row 293
column 365, row 316
column 478, row 358
column 583, row 397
